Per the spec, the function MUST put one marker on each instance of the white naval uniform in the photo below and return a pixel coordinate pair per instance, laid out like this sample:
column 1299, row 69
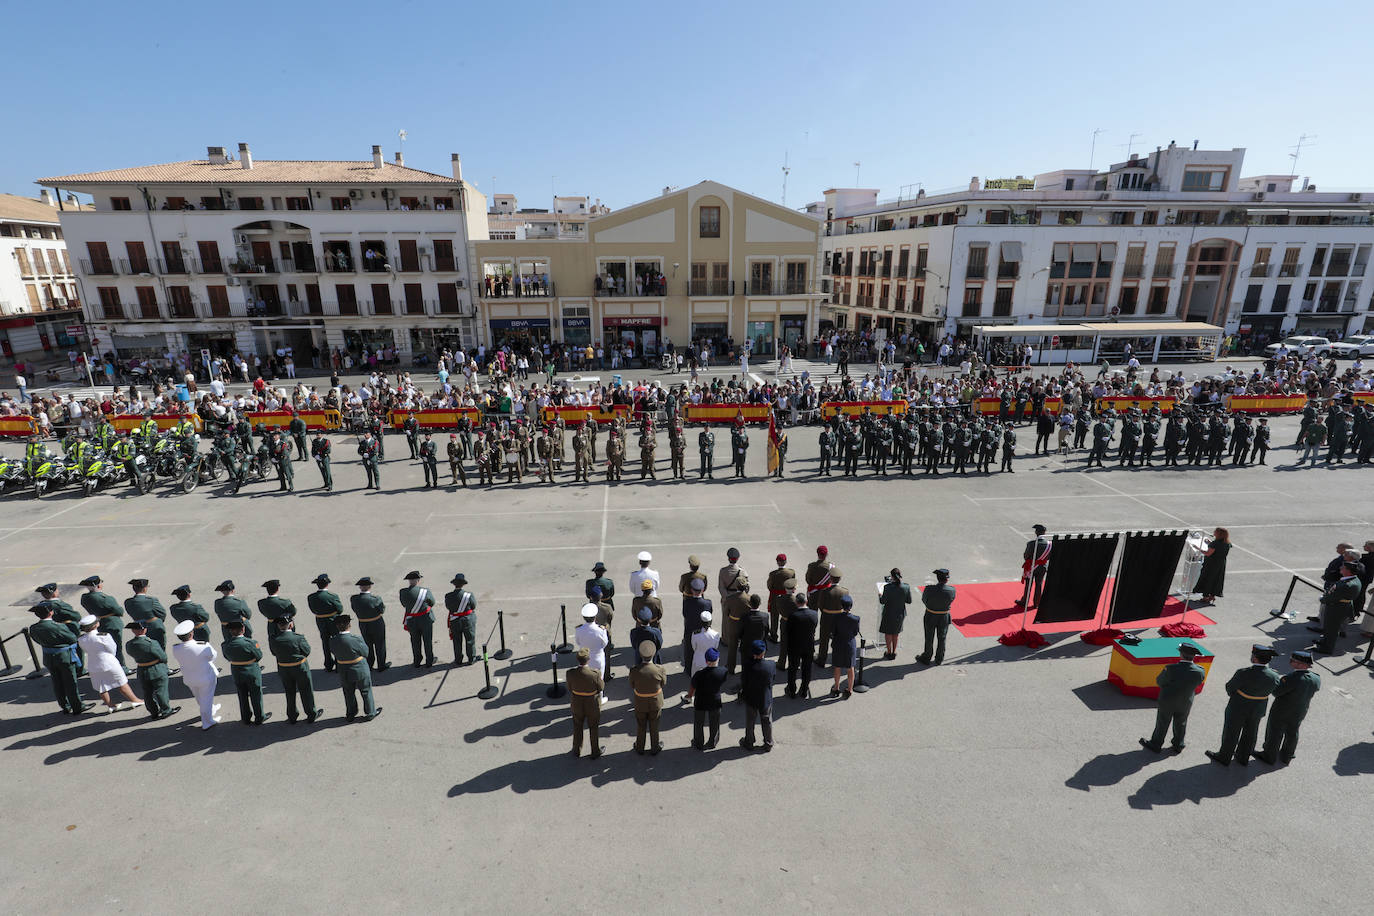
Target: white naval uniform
column 702, row 640
column 592, row 637
column 197, row 663
column 638, row 576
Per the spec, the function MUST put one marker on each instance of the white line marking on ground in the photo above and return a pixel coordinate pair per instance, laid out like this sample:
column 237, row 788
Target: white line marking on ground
column 603, row 547
column 605, row 519
column 41, row 521
column 766, row 505
column 757, row 379
column 117, row 525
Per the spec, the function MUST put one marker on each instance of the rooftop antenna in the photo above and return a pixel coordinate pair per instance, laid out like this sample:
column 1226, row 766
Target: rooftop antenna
column 1297, row 150
column 1130, row 143
column 785, row 171
column 856, row 173
column 1092, row 154
column 401, row 136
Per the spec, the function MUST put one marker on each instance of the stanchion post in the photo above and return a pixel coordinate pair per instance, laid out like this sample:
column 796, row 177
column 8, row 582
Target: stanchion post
column 565, row 647
column 37, row 671
column 859, row 686
column 557, row 690
column 4, row 654
column 503, row 653
column 487, row 692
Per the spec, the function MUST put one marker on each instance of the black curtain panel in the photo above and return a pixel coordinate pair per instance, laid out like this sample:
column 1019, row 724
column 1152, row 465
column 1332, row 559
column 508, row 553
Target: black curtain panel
column 1079, row 566
column 1148, row 562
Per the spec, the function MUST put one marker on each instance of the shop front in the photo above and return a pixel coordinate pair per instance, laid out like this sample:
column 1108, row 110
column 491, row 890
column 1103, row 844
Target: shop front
column 519, row 333
column 220, row 343
column 363, row 343
column 1255, row 332
column 636, row 334
column 433, row 341
column 761, row 338
column 1330, row 325
column 577, row 332
column 793, row 331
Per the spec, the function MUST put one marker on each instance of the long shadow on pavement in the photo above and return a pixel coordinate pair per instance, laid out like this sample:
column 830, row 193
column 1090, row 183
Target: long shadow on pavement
column 1110, row 769
column 1205, row 780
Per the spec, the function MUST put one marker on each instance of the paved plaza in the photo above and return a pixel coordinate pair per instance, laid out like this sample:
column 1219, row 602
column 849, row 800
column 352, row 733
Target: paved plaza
column 1006, row 780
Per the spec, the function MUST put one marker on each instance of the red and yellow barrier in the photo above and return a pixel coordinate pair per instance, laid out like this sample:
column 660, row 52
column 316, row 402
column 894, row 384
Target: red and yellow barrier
column 314, row 419
column 575, row 415
column 1266, row 403
column 1363, row 397
column 127, row 422
column 993, row 406
column 856, row 408
column 1123, row 403
column 446, row 418
column 18, row 426
column 726, row 413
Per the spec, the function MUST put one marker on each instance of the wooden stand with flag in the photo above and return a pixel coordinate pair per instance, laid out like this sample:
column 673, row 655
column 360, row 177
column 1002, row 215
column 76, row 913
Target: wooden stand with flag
column 773, row 440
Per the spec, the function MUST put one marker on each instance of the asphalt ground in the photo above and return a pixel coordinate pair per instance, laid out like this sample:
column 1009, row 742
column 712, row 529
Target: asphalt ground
column 1006, row 780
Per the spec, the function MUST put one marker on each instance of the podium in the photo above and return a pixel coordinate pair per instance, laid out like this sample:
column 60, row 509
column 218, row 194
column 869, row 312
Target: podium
column 1133, row 669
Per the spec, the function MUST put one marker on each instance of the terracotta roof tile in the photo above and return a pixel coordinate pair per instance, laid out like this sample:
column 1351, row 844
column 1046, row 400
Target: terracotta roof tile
column 27, row 209
column 268, row 171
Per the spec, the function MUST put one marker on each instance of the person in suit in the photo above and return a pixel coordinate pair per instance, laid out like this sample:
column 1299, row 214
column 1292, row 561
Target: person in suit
column 1249, row 689
column 801, row 647
column 1292, row 697
column 1338, row 605
column 584, row 687
column 706, row 688
column 937, row 600
column 844, row 645
column 1035, row 564
column 752, row 625
column 1178, row 684
column 757, row 693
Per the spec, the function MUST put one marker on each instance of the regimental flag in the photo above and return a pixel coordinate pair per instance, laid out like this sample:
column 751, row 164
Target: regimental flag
column 773, row 440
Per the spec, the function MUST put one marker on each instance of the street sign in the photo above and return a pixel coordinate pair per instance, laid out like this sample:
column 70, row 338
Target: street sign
column 76, row 330
column 205, row 357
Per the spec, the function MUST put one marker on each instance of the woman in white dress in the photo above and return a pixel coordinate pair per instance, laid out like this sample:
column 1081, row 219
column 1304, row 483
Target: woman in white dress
column 107, row 674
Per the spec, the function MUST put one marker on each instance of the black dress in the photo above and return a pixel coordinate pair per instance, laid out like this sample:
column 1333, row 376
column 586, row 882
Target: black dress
column 1213, row 574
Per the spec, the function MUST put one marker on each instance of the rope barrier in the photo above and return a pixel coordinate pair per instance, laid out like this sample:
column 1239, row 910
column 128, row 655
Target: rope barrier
column 564, row 647
column 557, row 690
column 503, row 653
column 489, row 691
column 859, row 686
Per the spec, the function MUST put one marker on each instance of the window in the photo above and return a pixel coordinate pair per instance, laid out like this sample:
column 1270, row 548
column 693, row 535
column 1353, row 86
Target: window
column 1068, row 184
column 1318, row 260
column 174, row 203
column 1130, row 181
column 795, row 277
column 443, row 203
column 1135, row 261
column 901, row 295
column 1280, row 303
column 147, row 302
column 410, row 256
column 212, row 203
column 1290, row 268
column 1339, row 266
column 973, row 301
column 1311, row 219
column 1126, row 299
column 1204, row 179
column 977, row 267
column 1123, row 218
column 922, row 255
column 120, row 203
column 110, row 306
column 1252, row 298
column 415, row 303
column 1070, row 217
column 918, row 299
column 1197, row 217
column 448, row 298
column 55, row 263
column 903, row 260
column 884, row 294
column 1261, row 266
column 1164, row 260
column 1083, row 260
column 997, row 217
column 443, row 254
column 709, row 227
column 1001, row 305
column 410, row 203
column 25, row 269
column 1159, row 299
column 760, row 278
column 100, row 258
column 179, row 299
column 250, row 203
column 340, row 203
column 298, row 203
column 172, row 259
column 348, row 298
column 39, row 267
column 1149, row 218
column 219, row 301
column 209, row 257
column 138, row 258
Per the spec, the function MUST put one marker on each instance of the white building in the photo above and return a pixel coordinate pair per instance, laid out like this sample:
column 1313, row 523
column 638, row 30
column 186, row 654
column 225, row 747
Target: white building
column 39, row 299
column 1175, row 235
column 228, row 253
column 567, row 220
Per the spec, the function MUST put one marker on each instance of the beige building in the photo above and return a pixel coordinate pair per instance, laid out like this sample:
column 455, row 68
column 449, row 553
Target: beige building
column 40, row 306
column 703, row 262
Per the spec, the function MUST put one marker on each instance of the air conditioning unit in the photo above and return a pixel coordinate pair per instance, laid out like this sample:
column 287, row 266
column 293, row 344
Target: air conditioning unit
column 355, row 193
column 1105, row 195
column 1356, row 197
column 243, row 240
column 1259, row 195
column 938, row 311
column 460, row 285
column 423, row 250
column 226, row 194
column 232, row 281
column 961, row 210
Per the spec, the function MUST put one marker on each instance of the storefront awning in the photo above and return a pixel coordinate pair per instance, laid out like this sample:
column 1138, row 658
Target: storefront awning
column 1033, row 330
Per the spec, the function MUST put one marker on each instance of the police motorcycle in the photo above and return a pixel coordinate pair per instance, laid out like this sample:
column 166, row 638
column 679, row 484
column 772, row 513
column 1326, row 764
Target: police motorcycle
column 44, row 470
column 92, row 466
column 12, row 474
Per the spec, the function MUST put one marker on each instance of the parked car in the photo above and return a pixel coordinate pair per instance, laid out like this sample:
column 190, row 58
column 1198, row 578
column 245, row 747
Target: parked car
column 1353, row 346
column 1302, row 346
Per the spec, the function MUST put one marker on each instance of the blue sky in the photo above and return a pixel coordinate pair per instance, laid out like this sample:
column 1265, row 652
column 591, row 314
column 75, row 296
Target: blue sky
column 617, row 100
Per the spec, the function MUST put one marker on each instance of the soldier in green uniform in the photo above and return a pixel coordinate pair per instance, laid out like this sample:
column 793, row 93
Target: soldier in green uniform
column 186, row 609
column 369, row 609
column 412, row 431
column 706, row 451
column 280, row 449
column 1178, row 684
column 1339, row 604
column 66, row 615
column 326, row 606
column 647, row 681
column 584, row 687
column 103, row 605
column 455, row 460
column 291, row 651
column 144, row 607
column 462, row 620
column 297, row 430
column 151, row 659
column 243, row 655
column 59, row 654
column 320, row 447
column 274, row 607
column 582, row 455
column 937, row 600
column 230, row 608
column 677, row 450
column 417, row 604
column 615, row 456
column 1249, row 689
column 429, row 460
column 369, row 449
column 1292, row 697
column 350, row 654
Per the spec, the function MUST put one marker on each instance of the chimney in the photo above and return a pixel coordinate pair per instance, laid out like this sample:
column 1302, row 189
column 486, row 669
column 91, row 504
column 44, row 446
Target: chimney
column 245, row 156
column 973, row 183
column 216, row 155
column 399, row 159
column 1194, row 146
column 45, row 196
column 376, row 156
column 456, row 162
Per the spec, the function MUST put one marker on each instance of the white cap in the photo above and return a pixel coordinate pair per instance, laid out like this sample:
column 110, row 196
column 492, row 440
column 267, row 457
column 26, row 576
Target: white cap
column 645, row 556
column 88, row 620
column 705, row 616
column 589, row 611
column 186, row 626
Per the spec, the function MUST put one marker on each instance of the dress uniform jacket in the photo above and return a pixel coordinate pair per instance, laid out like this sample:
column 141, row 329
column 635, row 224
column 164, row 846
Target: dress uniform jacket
column 231, row 609
column 197, row 614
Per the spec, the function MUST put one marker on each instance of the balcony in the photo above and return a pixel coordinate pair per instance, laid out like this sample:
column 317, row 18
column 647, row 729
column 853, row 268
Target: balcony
column 534, row 290
column 864, row 300
column 1133, row 271
column 711, row 288
column 172, row 267
column 652, row 289
column 1009, row 271
column 182, row 310
column 886, row 270
column 136, row 267
column 103, row 268
column 263, row 265
column 1163, row 271
column 1260, row 270
column 975, row 272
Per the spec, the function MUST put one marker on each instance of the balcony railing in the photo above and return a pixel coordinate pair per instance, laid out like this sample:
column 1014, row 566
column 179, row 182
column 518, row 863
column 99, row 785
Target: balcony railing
column 886, row 270
column 182, row 310
column 1163, row 271
column 1133, row 271
column 337, row 263
column 711, row 288
column 975, row 272
column 537, row 290
column 1261, row 270
column 255, row 266
column 105, row 268
column 863, row 300
column 659, row 288
column 1009, row 271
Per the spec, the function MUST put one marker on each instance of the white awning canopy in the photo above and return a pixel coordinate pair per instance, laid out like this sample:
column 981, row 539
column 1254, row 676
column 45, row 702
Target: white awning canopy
column 1011, row 251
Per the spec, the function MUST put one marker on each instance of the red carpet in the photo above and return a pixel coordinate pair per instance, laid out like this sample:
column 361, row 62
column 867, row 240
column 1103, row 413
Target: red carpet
column 986, row 609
